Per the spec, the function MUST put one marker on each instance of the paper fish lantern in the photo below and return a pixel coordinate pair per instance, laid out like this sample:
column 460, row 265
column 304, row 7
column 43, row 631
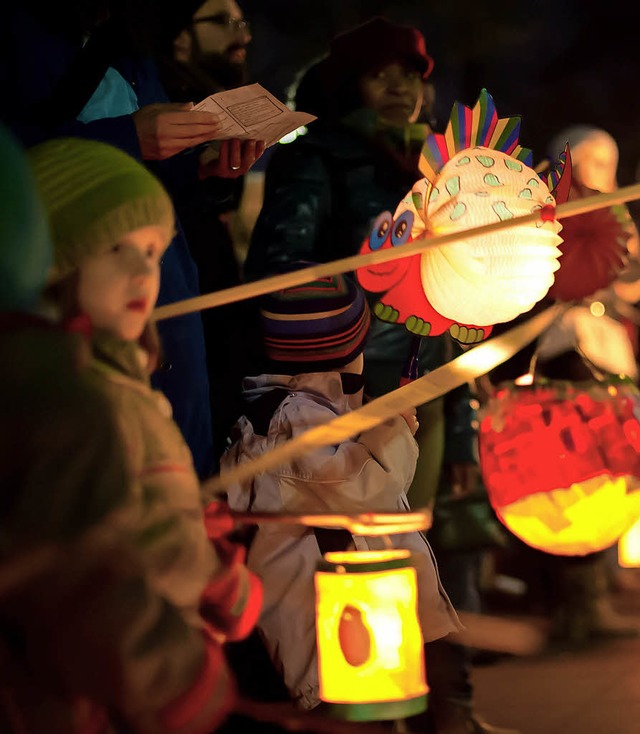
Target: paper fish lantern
column 475, row 174
column 370, row 645
column 561, row 461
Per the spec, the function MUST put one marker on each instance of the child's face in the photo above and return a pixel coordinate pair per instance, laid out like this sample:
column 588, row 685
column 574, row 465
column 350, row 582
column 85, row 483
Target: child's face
column 119, row 287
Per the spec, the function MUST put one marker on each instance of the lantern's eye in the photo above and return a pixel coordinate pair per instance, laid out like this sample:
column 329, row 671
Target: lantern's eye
column 402, row 229
column 380, row 230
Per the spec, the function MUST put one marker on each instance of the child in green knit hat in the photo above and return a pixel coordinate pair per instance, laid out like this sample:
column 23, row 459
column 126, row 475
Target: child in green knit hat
column 87, row 645
column 111, row 221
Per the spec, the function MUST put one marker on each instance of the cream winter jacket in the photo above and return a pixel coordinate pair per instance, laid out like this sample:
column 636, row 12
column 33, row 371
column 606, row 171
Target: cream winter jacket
column 173, row 537
column 370, row 472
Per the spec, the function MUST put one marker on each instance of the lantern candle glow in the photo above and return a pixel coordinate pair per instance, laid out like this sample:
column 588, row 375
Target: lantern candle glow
column 370, row 644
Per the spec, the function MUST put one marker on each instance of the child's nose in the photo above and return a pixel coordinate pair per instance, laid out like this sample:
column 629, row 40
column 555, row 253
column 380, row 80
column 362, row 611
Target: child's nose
column 398, row 85
column 141, row 267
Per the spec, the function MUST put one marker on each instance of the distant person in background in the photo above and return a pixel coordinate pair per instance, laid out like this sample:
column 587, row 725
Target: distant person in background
column 209, row 51
column 88, row 644
column 595, row 157
column 202, row 49
column 576, row 591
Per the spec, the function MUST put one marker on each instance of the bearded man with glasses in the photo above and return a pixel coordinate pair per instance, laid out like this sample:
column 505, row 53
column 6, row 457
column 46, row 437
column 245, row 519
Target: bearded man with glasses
column 212, row 45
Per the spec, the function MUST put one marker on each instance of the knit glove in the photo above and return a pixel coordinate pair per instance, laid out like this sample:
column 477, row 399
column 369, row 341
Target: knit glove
column 232, row 600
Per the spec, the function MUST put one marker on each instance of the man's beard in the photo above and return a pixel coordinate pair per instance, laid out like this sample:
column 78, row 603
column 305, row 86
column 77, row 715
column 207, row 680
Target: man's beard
column 226, row 73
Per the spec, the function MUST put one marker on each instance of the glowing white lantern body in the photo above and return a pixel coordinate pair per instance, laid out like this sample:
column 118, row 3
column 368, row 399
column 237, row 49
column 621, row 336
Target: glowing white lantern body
column 496, row 277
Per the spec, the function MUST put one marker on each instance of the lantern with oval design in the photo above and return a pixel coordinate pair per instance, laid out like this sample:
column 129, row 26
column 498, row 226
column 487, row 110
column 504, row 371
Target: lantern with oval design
column 369, row 639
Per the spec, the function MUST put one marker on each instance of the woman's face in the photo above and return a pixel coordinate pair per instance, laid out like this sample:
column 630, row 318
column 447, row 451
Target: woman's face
column 394, row 91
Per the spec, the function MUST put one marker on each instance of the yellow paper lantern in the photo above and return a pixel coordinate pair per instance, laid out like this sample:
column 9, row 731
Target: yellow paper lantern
column 369, row 640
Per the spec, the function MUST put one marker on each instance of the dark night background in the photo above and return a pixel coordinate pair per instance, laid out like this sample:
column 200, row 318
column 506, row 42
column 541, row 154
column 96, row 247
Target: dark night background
column 554, row 62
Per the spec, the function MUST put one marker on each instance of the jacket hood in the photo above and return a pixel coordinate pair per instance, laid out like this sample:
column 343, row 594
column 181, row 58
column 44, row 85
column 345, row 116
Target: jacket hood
column 343, row 391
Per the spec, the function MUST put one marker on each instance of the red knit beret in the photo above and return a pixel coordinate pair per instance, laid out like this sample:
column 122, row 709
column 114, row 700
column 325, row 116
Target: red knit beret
column 376, row 42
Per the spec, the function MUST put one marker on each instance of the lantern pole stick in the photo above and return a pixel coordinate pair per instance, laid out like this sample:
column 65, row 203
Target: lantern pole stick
column 366, row 523
column 343, row 265
column 492, row 632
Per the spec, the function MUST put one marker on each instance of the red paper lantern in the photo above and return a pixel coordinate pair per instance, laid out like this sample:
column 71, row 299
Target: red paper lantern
column 594, row 249
column 561, row 461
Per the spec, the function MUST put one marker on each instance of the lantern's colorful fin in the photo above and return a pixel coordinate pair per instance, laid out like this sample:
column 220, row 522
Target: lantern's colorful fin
column 468, row 128
column 558, row 176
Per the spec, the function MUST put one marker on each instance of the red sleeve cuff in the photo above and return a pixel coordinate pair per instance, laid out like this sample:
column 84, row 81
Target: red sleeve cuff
column 209, row 700
column 232, row 602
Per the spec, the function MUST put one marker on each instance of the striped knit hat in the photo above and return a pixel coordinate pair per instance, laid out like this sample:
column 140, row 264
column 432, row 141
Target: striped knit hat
column 315, row 327
column 94, row 193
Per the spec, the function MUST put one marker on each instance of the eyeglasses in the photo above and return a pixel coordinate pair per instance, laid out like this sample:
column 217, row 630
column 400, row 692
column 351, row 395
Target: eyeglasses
column 235, row 25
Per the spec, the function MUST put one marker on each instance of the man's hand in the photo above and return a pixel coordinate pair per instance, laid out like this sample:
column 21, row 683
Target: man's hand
column 234, row 158
column 165, row 129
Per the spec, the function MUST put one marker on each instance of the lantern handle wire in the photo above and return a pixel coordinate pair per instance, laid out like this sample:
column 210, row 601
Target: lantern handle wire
column 595, row 371
column 598, row 374
column 533, row 362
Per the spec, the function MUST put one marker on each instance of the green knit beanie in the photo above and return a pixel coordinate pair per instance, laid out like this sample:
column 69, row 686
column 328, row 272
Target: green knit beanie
column 94, row 194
